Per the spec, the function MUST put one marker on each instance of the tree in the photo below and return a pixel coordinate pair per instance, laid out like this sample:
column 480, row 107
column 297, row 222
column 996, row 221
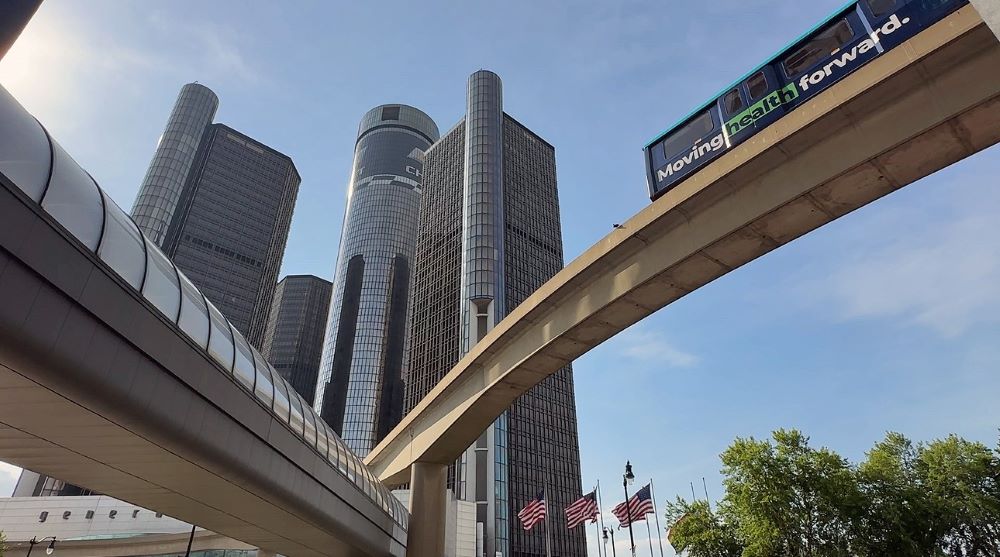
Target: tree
column 787, row 499
column 700, row 533
column 897, row 518
column 3, row 544
column 962, row 481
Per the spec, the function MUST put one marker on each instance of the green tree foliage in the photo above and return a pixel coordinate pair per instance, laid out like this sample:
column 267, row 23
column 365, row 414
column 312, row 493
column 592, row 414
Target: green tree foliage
column 3, row 544
column 785, row 498
column 698, row 531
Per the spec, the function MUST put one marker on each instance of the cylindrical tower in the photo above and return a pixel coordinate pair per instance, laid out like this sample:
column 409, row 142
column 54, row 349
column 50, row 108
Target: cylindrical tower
column 483, row 293
column 168, row 171
column 363, row 353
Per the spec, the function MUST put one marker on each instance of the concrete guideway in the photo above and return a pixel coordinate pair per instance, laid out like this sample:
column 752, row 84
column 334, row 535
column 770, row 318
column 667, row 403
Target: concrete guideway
column 919, row 108
column 112, row 378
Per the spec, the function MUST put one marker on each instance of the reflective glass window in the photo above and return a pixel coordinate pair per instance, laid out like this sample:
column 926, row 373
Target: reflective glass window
column 322, row 443
column 344, row 456
column 381, row 494
column 281, row 404
column 160, row 285
column 818, row 48
column 757, row 86
column 334, row 448
column 880, row 8
column 352, row 469
column 369, row 481
column 74, row 200
column 684, row 137
column 24, row 148
column 310, row 428
column 264, row 387
column 220, row 343
column 243, row 369
column 295, row 419
column 122, row 246
column 194, row 314
column 733, row 102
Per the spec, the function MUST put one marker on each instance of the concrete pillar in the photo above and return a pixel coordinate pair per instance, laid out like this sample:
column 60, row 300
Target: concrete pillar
column 989, row 10
column 428, row 506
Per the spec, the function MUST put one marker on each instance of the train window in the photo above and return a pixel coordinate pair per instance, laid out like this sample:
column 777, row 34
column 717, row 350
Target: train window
column 818, row 48
column 757, row 86
column 684, row 137
column 881, row 7
column 733, row 102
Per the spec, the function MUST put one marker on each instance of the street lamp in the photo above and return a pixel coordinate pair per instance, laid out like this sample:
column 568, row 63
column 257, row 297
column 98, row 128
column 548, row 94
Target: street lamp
column 627, row 478
column 48, row 550
column 613, row 551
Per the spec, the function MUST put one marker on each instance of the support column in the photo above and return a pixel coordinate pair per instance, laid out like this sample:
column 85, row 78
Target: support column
column 989, row 10
column 428, row 510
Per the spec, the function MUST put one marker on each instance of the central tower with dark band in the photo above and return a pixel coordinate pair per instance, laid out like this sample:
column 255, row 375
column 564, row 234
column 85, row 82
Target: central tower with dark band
column 360, row 389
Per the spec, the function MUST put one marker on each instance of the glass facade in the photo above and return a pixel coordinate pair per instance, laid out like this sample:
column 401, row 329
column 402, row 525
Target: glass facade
column 230, row 227
column 166, row 289
column 360, row 390
column 489, row 237
column 293, row 343
column 168, row 171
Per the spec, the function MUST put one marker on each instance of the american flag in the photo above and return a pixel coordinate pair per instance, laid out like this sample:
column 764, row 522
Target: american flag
column 533, row 512
column 635, row 509
column 582, row 510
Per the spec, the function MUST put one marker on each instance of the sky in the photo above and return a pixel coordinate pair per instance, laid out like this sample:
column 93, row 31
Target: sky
column 885, row 320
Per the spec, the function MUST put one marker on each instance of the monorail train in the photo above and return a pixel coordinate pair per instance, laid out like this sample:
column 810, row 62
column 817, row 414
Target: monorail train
column 847, row 40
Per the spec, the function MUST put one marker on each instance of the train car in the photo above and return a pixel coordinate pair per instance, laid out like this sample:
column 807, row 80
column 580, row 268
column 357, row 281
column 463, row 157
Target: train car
column 851, row 37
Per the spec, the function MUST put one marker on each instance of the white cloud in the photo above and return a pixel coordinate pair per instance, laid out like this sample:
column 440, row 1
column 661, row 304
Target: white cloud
column 8, row 478
column 936, row 266
column 652, row 347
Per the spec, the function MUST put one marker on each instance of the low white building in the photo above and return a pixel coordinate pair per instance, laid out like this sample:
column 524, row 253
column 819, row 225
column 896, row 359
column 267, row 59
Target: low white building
column 460, row 525
column 22, row 518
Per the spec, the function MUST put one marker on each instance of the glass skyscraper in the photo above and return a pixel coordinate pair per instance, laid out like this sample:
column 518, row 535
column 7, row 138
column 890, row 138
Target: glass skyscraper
column 168, row 171
column 293, row 343
column 231, row 224
column 489, row 236
column 360, row 389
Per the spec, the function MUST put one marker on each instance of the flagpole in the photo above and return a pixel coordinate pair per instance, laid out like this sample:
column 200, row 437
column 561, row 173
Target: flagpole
column 659, row 533
column 650, row 537
column 597, row 527
column 600, row 515
column 548, row 528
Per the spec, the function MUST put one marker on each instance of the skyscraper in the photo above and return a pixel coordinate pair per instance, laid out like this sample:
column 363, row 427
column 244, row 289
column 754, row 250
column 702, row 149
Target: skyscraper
column 490, row 236
column 229, row 230
column 175, row 152
column 293, row 343
column 219, row 204
column 360, row 390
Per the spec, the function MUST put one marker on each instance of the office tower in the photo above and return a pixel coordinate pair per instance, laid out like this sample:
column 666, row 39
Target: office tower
column 360, row 391
column 229, row 230
column 293, row 343
column 33, row 484
column 168, row 171
column 490, row 236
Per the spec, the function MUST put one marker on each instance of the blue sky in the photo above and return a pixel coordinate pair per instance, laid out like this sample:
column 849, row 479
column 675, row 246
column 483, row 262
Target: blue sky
column 887, row 319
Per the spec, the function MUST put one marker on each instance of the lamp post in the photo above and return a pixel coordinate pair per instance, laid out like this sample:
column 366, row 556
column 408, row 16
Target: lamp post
column 614, row 553
column 34, row 541
column 627, row 478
